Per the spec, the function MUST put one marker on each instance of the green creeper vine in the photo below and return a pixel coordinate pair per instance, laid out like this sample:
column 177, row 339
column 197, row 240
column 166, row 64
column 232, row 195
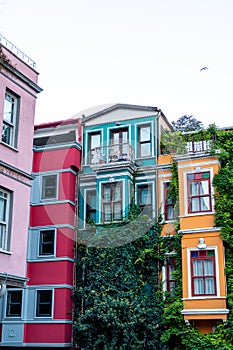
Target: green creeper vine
column 4, row 60
column 119, row 298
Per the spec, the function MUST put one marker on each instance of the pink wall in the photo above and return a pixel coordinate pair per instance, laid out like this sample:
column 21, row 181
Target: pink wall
column 24, row 84
column 14, row 261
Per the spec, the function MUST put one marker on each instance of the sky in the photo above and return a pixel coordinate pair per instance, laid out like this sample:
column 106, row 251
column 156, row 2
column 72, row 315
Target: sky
column 92, row 53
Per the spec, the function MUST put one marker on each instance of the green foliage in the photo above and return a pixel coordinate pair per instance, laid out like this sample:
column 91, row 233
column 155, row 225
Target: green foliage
column 3, row 59
column 118, row 298
column 173, row 142
column 187, row 123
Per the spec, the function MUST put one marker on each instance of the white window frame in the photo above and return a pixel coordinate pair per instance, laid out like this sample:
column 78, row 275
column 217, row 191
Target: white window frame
column 39, row 243
column 189, row 279
column 137, row 126
column 152, row 184
column 52, row 302
column 43, row 198
column 22, row 293
column 6, row 223
column 13, row 122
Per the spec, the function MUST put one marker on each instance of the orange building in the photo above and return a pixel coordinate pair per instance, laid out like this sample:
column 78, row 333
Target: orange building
column 203, row 278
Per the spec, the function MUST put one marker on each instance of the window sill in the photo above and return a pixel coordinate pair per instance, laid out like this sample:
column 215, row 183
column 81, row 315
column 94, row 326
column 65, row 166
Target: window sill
column 5, row 252
column 204, row 297
column 9, row 146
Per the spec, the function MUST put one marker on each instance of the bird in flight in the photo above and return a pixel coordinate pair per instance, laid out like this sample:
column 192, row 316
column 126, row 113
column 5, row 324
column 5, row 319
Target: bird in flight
column 203, row 68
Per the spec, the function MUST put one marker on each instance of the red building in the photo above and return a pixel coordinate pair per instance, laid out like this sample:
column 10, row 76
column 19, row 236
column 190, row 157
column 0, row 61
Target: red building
column 50, row 258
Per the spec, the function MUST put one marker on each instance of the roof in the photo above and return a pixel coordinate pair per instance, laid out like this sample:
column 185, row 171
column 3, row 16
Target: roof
column 56, row 123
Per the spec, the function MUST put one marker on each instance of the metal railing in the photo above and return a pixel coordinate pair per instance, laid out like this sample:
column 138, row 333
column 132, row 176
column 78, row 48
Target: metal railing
column 7, row 44
column 111, row 154
column 198, row 146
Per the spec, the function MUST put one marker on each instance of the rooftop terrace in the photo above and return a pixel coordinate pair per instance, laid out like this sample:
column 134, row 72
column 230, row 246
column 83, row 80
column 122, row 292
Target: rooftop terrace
column 11, row 47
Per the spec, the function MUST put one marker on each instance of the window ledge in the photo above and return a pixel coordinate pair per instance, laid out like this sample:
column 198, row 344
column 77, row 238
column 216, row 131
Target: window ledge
column 204, row 297
column 5, row 252
column 204, row 311
column 9, row 146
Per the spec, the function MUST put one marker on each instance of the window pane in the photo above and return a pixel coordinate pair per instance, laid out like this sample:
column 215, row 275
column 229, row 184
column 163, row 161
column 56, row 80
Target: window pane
column 145, row 133
column 7, row 133
column 44, row 303
column 208, row 267
column 145, row 150
column 117, row 193
column 209, row 285
column 197, row 268
column 47, row 242
column 117, row 211
column 2, row 209
column 107, row 194
column 204, row 187
column 199, row 286
column 205, row 203
column 194, row 204
column 9, row 108
column 107, row 212
column 145, row 195
column 193, row 188
column 49, row 186
column 14, row 303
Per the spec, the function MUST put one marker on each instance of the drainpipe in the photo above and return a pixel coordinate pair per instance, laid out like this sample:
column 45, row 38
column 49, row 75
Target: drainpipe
column 2, row 290
column 3, row 286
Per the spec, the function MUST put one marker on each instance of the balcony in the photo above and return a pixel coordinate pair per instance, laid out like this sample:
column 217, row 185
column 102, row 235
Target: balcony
column 111, row 154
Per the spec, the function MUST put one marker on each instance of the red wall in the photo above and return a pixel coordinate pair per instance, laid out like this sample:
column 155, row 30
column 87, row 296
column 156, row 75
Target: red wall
column 63, row 304
column 55, row 272
column 60, row 213
column 48, row 333
column 56, row 159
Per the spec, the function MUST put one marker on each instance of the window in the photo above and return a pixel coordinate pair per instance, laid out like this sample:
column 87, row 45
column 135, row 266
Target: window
column 145, row 199
column 4, row 219
column 203, row 272
column 199, row 192
column 49, row 186
column 10, row 116
column 14, row 303
column 46, row 246
column 170, row 280
column 44, row 303
column 119, row 144
column 112, row 199
column 91, row 206
column 168, row 204
column 94, row 144
column 144, row 137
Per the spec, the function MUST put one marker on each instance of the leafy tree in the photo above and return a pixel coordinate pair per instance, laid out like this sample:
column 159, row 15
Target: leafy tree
column 187, row 123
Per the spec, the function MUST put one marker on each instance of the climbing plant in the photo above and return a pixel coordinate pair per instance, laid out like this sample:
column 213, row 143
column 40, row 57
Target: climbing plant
column 119, row 299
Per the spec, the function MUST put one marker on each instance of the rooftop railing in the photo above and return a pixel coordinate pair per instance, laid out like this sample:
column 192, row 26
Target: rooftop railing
column 11, row 47
column 111, row 154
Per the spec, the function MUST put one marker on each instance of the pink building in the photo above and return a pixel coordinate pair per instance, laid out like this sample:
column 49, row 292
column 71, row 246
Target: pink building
column 18, row 92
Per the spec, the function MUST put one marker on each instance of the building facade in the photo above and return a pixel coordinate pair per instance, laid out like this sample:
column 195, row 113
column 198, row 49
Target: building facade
column 120, row 147
column 18, row 92
column 50, row 256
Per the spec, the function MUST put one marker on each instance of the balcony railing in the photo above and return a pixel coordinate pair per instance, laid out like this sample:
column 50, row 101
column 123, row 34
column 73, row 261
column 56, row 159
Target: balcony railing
column 111, row 154
column 198, row 146
column 17, row 52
